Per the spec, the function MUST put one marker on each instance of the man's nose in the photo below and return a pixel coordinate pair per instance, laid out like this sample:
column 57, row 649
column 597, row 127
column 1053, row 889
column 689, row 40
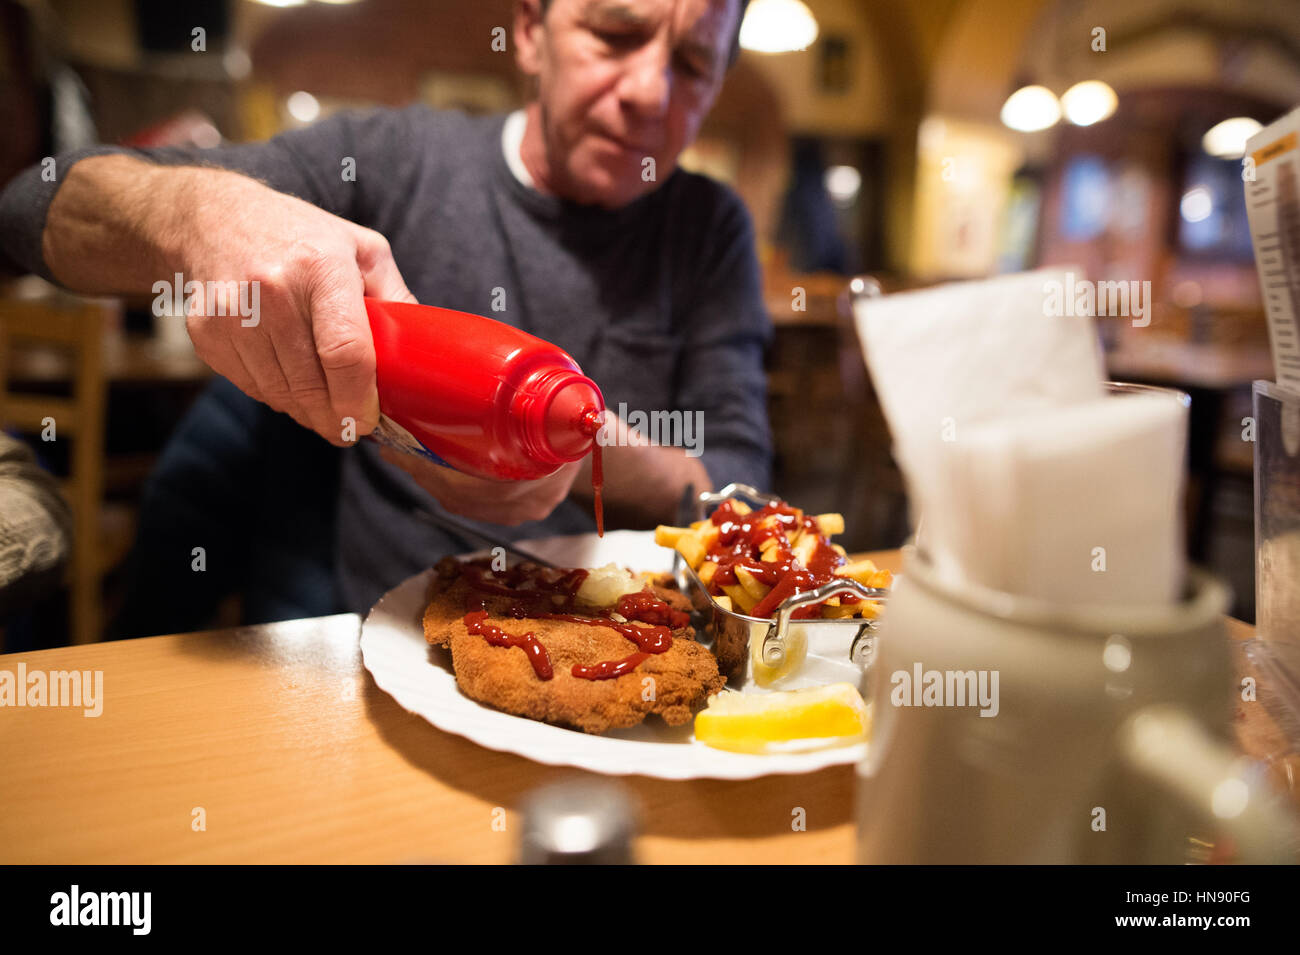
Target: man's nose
column 647, row 82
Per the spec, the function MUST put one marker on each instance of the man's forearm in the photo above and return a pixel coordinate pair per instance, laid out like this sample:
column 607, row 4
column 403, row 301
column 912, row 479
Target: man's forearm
column 118, row 223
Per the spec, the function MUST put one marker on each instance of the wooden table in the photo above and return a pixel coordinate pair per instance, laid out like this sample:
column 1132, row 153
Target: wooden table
column 294, row 755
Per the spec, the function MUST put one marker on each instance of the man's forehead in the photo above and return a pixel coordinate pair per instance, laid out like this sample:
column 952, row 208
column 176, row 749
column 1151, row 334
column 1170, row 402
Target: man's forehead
column 700, row 20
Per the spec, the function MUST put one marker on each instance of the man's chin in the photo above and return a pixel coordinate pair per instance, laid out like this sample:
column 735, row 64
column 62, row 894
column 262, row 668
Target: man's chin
column 610, row 186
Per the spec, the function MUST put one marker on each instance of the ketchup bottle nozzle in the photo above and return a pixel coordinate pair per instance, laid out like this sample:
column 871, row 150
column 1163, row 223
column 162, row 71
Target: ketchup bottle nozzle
column 574, row 417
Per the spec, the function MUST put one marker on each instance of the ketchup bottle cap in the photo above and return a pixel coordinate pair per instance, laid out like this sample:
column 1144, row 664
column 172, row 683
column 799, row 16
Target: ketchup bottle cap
column 570, row 427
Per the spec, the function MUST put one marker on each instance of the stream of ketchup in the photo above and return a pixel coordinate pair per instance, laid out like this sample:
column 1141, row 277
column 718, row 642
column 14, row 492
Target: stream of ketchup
column 591, row 423
column 548, row 599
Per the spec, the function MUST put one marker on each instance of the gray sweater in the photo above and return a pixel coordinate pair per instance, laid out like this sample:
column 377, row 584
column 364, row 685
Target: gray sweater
column 659, row 302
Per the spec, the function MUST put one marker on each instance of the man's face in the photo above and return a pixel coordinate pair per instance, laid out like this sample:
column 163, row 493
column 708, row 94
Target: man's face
column 622, row 82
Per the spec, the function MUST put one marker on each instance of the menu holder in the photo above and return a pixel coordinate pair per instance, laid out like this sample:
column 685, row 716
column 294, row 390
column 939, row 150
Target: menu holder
column 1271, row 170
column 1276, row 647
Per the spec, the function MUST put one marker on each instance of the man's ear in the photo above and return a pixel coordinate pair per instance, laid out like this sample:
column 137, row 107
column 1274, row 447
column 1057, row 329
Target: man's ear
column 528, row 36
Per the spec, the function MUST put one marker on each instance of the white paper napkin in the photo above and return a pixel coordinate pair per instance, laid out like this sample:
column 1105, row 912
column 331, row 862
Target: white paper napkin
column 1080, row 504
column 1017, row 462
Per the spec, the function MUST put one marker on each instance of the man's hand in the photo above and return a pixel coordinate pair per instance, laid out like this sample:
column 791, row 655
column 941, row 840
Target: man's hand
column 310, row 354
column 500, row 502
column 308, row 350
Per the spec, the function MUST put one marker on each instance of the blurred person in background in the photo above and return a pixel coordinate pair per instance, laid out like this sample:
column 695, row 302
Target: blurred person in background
column 35, row 537
column 808, row 226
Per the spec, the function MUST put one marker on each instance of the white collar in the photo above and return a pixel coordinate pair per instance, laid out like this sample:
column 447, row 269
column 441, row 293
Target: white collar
column 512, row 138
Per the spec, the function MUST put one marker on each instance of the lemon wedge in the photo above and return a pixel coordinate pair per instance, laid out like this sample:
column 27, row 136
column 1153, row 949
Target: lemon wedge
column 785, row 720
column 796, row 651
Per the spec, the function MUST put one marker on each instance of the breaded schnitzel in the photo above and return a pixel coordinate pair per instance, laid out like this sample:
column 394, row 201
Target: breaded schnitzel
column 485, row 620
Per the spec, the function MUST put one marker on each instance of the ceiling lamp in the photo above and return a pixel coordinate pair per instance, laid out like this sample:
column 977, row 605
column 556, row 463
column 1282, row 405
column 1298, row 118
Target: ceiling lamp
column 777, row 26
column 1197, row 204
column 1030, row 109
column 303, row 107
column 843, row 183
column 1227, row 140
column 1089, row 102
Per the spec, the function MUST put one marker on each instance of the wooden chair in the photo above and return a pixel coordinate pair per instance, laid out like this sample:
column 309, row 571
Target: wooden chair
column 76, row 327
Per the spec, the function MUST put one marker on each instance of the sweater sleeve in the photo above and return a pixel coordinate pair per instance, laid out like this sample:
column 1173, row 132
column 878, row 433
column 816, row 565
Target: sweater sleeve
column 35, row 522
column 727, row 331
column 354, row 165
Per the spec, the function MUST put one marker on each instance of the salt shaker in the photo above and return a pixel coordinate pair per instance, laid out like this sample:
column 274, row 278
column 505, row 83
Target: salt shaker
column 578, row 823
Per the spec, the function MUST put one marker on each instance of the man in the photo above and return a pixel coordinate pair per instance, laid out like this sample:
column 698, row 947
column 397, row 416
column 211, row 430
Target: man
column 568, row 219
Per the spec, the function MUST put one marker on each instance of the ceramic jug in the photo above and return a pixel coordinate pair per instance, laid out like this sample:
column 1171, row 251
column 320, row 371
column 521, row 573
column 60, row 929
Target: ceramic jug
column 1012, row 731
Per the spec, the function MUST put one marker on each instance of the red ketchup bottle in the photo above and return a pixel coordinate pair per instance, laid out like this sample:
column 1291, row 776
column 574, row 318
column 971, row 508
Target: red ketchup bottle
column 480, row 396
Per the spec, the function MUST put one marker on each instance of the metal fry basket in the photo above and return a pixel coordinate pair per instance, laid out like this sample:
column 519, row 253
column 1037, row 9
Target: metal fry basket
column 782, row 652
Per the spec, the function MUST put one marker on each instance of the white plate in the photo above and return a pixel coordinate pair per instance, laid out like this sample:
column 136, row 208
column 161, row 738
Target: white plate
column 420, row 678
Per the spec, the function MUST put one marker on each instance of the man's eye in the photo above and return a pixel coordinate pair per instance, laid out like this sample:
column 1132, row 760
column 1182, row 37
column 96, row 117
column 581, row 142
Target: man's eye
column 618, row 41
column 691, row 68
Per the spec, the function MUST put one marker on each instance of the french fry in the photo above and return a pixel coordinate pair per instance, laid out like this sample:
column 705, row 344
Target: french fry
column 692, row 548
column 740, row 597
column 740, row 507
column 863, row 571
column 830, row 524
column 839, row 550
column 706, row 571
column 666, row 536
column 753, row 586
column 723, row 601
column 804, row 548
column 830, row 612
